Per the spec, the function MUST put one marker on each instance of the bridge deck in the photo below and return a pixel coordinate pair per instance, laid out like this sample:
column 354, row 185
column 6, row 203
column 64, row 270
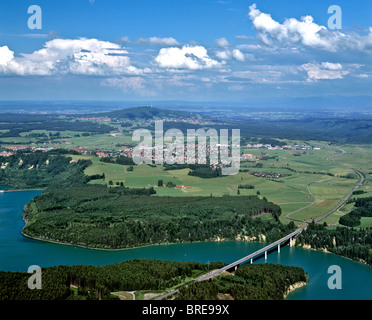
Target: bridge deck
column 252, row 255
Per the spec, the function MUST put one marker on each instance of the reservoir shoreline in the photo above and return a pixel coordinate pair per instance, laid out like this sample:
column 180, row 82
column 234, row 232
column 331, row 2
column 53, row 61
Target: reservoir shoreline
column 323, row 250
column 307, row 247
column 18, row 252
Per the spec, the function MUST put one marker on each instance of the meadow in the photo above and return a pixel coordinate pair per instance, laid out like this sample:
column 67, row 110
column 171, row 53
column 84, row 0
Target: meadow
column 311, row 171
column 307, row 175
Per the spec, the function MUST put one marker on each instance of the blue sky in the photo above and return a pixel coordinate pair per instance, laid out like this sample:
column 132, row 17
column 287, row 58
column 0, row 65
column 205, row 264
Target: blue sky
column 209, row 50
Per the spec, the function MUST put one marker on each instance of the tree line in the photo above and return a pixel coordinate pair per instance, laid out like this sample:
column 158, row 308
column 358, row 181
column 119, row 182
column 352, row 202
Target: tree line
column 352, row 243
column 41, row 169
column 99, row 217
column 249, row 282
column 362, row 208
column 97, row 282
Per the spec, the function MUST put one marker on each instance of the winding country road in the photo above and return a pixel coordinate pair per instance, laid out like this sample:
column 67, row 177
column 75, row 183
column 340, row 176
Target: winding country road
column 329, row 158
column 309, row 205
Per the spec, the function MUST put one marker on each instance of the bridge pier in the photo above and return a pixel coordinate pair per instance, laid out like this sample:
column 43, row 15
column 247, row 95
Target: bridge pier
column 290, row 242
column 265, row 255
column 251, row 260
column 236, row 267
column 279, row 248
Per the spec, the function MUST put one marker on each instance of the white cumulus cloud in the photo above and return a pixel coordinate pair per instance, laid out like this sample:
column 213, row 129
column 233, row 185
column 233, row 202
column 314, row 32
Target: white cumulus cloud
column 222, row 42
column 231, row 54
column 6, row 55
column 71, row 56
column 187, row 57
column 305, row 32
column 168, row 42
column 324, row 71
column 238, row 55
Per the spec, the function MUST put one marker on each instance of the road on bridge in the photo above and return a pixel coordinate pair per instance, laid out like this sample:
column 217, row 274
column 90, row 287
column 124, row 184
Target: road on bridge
column 215, row 273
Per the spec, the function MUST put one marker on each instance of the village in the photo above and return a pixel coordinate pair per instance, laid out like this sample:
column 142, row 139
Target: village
column 191, row 150
column 271, row 147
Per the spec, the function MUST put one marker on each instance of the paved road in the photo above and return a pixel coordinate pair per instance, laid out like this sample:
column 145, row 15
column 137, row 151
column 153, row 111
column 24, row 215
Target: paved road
column 315, row 200
column 344, row 199
column 215, row 273
column 329, row 158
column 249, row 257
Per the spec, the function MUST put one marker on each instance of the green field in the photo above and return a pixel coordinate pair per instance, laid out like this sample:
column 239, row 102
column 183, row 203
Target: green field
column 320, row 171
column 324, row 179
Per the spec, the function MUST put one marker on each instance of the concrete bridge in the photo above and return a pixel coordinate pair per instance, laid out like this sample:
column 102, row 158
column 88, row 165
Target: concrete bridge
column 250, row 257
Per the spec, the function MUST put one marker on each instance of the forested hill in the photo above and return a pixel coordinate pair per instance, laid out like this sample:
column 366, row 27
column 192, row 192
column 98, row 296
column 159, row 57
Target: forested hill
column 325, row 127
column 352, row 243
column 258, row 282
column 95, row 216
column 93, row 283
column 249, row 282
column 42, row 169
column 149, row 113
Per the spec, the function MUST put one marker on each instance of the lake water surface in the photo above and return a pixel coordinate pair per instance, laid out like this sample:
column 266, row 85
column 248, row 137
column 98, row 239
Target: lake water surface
column 17, row 253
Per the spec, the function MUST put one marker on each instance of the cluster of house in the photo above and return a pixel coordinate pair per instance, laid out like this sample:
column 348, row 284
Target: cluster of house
column 297, row 147
column 123, row 152
column 102, row 119
column 6, row 154
column 102, row 154
column 42, row 149
column 190, row 120
column 270, row 147
column 9, row 151
column 81, row 150
column 271, row 175
column 265, row 146
column 189, row 151
column 185, row 120
column 17, row 148
column 250, row 157
column 56, row 143
column 126, row 152
column 181, row 186
column 14, row 149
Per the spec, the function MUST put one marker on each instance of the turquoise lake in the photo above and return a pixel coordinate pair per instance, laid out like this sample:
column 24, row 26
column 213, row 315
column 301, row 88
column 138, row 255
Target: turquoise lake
column 17, row 253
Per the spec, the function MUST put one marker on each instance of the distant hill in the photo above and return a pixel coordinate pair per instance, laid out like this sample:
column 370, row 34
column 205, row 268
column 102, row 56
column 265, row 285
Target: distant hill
column 150, row 113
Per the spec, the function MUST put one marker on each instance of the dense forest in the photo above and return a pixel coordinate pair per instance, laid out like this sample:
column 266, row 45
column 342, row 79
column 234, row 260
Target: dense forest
column 119, row 160
column 363, row 208
column 249, row 282
column 204, row 171
column 96, row 282
column 14, row 124
column 352, row 243
column 149, row 113
column 82, row 282
column 41, row 169
column 99, row 217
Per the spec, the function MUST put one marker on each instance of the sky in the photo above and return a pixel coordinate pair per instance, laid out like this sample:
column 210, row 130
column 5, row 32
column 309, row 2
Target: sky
column 205, row 50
